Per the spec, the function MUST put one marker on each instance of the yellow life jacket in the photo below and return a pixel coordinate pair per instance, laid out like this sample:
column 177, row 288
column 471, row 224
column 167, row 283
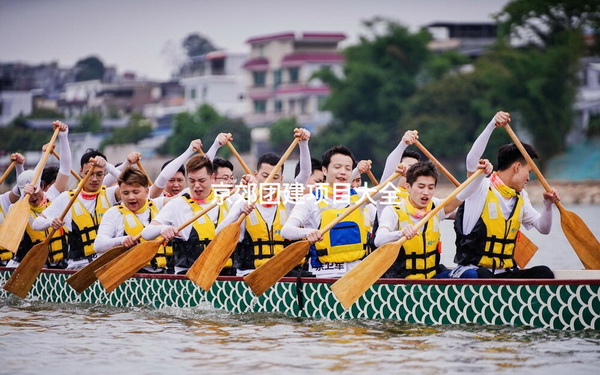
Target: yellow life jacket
column 133, row 227
column 85, row 225
column 492, row 241
column 203, row 231
column 58, row 245
column 347, row 240
column 262, row 243
column 419, row 257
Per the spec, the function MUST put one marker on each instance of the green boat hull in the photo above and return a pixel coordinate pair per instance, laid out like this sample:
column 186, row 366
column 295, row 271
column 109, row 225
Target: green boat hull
column 556, row 304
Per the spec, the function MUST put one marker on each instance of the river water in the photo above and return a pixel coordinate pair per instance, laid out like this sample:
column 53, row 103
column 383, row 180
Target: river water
column 38, row 337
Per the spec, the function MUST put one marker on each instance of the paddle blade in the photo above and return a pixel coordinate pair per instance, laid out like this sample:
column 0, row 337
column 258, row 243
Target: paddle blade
column 13, row 227
column 122, row 268
column 209, row 264
column 524, row 250
column 581, row 238
column 85, row 277
column 358, row 280
column 275, row 268
column 24, row 276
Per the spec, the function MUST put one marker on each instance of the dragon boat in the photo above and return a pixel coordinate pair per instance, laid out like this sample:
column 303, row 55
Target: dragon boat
column 570, row 302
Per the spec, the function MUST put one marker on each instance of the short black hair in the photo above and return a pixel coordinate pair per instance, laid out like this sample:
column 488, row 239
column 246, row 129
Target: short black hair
column 268, row 158
column 315, row 165
column 339, row 149
column 221, row 163
column 510, row 153
column 49, row 175
column 91, row 153
column 421, row 168
column 181, row 168
column 410, row 154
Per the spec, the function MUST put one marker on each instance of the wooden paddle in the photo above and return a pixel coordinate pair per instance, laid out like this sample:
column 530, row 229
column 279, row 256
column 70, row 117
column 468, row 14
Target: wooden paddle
column 7, row 171
column 73, row 173
column 524, row 248
column 209, row 264
column 139, row 164
column 239, row 158
column 11, row 231
column 582, row 239
column 358, row 280
column 85, row 277
column 372, row 178
column 31, row 265
column 283, row 262
column 123, row 267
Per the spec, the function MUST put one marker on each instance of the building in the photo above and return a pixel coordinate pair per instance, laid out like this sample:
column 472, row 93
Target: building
column 217, row 81
column 470, row 38
column 14, row 104
column 279, row 77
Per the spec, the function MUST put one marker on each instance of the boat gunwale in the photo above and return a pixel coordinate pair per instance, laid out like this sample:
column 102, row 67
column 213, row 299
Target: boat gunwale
column 380, row 281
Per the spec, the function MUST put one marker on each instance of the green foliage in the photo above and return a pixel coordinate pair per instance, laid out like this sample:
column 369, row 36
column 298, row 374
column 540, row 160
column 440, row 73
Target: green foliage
column 46, row 113
column 282, row 133
column 379, row 76
column 197, row 45
column 90, row 121
column 137, row 129
column 594, row 126
column 89, row 68
column 18, row 138
column 204, row 124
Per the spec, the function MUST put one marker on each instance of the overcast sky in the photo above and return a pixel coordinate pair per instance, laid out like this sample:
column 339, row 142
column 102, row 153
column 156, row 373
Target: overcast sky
column 145, row 36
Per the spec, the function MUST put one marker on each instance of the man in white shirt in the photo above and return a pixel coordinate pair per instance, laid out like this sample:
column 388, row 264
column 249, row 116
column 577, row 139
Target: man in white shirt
column 488, row 222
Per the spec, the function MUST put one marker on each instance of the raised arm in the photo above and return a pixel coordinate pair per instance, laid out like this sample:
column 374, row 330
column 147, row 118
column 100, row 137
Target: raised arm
column 305, row 164
column 171, row 169
column 481, row 142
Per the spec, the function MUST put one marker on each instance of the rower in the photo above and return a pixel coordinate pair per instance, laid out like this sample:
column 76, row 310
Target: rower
column 329, row 257
column 121, row 223
column 189, row 243
column 419, row 256
column 260, row 233
column 83, row 219
column 488, row 222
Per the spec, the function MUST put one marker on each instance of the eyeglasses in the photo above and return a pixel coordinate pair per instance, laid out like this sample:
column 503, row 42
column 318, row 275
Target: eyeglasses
column 227, row 179
column 98, row 175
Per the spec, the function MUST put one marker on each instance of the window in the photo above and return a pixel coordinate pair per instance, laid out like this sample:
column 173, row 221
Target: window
column 294, row 74
column 261, row 50
column 291, row 106
column 259, row 78
column 278, row 106
column 193, row 93
column 260, row 106
column 303, row 105
column 277, row 78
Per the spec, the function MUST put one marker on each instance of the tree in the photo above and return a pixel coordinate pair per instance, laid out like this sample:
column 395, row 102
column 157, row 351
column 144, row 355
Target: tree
column 204, row 124
column 281, row 132
column 89, row 68
column 137, row 129
column 367, row 102
column 197, row 45
column 90, row 121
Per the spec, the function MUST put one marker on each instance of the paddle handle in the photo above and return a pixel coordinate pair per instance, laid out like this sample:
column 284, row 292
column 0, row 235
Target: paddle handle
column 437, row 209
column 73, row 173
column 239, row 158
column 139, row 164
column 38, row 171
column 530, row 161
column 372, row 178
column 73, row 198
column 7, row 171
column 358, row 203
column 437, row 163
